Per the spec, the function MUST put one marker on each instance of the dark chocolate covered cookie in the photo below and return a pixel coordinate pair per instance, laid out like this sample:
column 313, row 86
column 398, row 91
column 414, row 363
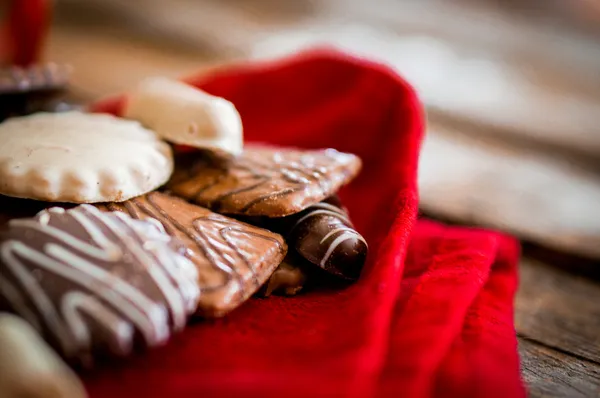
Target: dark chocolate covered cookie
column 95, row 282
column 31, row 89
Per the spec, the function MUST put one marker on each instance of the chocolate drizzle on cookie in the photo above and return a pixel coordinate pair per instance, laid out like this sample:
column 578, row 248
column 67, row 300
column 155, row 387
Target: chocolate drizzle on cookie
column 92, row 281
column 233, row 258
column 43, row 77
column 263, row 181
column 35, row 88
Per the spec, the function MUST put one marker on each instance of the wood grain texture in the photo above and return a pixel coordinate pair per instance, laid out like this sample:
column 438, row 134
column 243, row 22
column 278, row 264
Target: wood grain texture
column 559, row 310
column 106, row 64
column 490, row 182
column 549, row 373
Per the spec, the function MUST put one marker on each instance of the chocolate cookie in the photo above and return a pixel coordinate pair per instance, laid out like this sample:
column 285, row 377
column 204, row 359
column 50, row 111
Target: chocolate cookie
column 11, row 208
column 287, row 280
column 94, row 282
column 263, row 181
column 32, row 89
column 233, row 258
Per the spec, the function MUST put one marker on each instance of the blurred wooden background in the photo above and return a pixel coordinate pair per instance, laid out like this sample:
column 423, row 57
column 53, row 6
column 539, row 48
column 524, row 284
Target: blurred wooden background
column 526, row 72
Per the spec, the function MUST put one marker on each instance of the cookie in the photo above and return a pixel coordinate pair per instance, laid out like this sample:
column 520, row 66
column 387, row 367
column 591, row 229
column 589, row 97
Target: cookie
column 94, row 282
column 287, row 280
column 323, row 236
column 35, row 78
column 11, row 208
column 263, row 181
column 29, row 368
column 185, row 115
column 31, row 89
column 80, row 158
column 233, row 259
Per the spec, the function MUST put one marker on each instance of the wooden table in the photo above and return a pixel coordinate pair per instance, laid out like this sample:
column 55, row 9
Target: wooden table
column 557, row 312
column 557, row 318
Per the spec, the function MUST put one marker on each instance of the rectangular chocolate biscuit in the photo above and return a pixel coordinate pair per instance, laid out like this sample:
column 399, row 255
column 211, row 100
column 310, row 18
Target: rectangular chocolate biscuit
column 233, row 259
column 263, row 181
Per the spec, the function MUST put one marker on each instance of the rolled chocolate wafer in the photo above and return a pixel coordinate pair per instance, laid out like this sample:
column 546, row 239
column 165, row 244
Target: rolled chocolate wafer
column 32, row 89
column 95, row 283
column 324, row 235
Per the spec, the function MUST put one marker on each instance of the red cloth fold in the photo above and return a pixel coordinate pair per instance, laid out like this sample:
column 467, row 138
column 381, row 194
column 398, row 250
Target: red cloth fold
column 429, row 319
column 24, row 30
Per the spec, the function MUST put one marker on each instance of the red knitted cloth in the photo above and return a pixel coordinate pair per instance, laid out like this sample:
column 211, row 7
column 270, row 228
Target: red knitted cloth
column 432, row 315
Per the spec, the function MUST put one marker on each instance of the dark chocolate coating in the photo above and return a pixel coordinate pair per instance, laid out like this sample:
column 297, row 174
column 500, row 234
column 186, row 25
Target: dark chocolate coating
column 95, row 283
column 324, row 235
column 32, row 89
column 11, row 208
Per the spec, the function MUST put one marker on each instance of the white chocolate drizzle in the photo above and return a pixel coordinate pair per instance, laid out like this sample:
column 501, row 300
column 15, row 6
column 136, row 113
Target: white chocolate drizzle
column 90, row 263
column 345, row 230
column 348, row 233
column 325, row 208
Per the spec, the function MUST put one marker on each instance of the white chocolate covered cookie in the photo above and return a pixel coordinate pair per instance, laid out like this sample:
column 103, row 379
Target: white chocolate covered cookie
column 29, row 368
column 80, row 158
column 183, row 114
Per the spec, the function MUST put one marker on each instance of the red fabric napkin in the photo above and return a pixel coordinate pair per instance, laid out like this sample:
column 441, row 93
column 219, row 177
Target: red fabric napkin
column 432, row 315
column 24, row 30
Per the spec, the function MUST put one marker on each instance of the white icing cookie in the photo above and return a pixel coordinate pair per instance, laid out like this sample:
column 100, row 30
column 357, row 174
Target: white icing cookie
column 80, row 158
column 185, row 115
column 29, row 368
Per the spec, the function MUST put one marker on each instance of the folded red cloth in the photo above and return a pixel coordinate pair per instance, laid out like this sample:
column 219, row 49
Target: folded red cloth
column 24, row 30
column 430, row 319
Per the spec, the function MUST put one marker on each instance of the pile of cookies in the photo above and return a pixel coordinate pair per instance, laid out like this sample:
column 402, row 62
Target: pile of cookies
column 135, row 234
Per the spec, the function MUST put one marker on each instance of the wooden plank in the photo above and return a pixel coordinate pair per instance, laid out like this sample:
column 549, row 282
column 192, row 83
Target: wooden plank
column 559, row 310
column 570, row 262
column 489, row 181
column 107, row 64
column 549, row 373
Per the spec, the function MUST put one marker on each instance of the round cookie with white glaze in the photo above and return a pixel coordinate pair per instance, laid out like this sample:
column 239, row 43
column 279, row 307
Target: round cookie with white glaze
column 183, row 114
column 96, row 283
column 80, row 158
